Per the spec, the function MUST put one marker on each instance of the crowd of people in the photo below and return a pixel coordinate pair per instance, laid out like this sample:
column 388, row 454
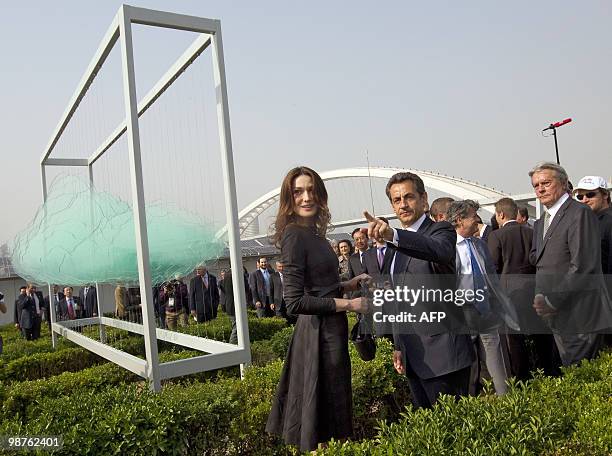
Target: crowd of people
column 545, row 292
column 174, row 301
column 31, row 308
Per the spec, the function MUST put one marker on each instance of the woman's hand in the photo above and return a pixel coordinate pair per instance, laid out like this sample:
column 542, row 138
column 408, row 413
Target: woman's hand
column 359, row 305
column 398, row 362
column 355, row 283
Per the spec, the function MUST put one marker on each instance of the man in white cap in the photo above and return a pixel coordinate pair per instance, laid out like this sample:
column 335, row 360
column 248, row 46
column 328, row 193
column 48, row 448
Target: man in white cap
column 593, row 191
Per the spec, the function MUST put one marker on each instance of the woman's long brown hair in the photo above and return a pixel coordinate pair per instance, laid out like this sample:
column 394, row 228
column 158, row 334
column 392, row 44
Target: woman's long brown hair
column 286, row 213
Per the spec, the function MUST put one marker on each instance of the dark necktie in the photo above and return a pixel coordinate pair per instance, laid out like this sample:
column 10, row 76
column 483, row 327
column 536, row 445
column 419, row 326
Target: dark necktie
column 71, row 309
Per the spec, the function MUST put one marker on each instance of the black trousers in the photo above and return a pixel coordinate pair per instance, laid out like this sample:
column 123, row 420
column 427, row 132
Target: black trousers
column 265, row 310
column 36, row 322
column 27, row 333
column 425, row 392
column 519, row 355
column 547, row 354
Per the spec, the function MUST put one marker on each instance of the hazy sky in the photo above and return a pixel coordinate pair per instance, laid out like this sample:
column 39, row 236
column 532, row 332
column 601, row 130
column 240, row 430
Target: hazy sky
column 463, row 88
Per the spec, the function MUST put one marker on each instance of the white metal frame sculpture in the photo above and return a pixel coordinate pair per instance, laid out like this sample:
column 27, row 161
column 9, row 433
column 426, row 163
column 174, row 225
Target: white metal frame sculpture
column 219, row 354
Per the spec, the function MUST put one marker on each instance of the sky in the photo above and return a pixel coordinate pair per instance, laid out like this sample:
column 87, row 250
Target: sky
column 461, row 88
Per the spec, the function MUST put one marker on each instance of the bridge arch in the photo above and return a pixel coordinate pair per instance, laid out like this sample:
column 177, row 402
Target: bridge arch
column 456, row 187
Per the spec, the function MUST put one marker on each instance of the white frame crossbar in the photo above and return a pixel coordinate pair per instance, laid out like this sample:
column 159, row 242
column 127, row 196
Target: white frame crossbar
column 219, row 354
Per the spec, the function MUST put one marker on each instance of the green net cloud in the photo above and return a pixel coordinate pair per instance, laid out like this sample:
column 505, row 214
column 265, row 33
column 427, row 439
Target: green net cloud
column 81, row 236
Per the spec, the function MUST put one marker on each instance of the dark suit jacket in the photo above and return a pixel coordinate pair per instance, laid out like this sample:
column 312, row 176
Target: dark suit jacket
column 258, row 287
column 430, row 252
column 17, row 315
column 55, row 303
column 277, row 288
column 25, row 311
column 356, row 268
column 62, row 309
column 90, row 304
column 204, row 301
column 568, row 269
column 509, row 247
column 355, row 265
column 227, row 287
column 605, row 226
column 370, row 261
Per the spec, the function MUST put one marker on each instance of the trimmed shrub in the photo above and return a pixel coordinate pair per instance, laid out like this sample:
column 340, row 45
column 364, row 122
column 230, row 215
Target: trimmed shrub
column 280, row 341
column 221, row 328
column 262, row 353
column 41, row 365
column 555, row 416
column 227, row 416
column 18, row 348
column 19, row 399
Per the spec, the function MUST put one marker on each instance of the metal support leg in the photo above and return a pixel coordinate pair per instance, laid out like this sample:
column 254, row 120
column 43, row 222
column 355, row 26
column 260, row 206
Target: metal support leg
column 138, row 199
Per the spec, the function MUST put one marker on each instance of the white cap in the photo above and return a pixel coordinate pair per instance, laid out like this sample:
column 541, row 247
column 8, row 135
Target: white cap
column 591, row 183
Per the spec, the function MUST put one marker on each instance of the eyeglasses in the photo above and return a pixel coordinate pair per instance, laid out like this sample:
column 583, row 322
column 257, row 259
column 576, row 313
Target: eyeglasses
column 589, row 195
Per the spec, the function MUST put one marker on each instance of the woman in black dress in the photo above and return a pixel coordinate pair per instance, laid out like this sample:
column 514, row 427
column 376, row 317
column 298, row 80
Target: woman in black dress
column 313, row 400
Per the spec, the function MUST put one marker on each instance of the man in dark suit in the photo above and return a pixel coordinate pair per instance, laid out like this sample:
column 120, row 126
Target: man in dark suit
column 360, row 239
column 571, row 294
column 510, row 246
column 593, row 191
column 377, row 258
column 89, row 297
column 17, row 315
column 203, row 295
column 375, row 261
column 25, row 315
column 262, row 289
column 278, row 304
column 53, row 300
column 30, row 308
column 435, row 360
column 69, row 307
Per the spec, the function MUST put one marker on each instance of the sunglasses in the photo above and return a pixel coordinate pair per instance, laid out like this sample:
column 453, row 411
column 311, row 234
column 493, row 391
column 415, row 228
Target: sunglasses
column 589, row 195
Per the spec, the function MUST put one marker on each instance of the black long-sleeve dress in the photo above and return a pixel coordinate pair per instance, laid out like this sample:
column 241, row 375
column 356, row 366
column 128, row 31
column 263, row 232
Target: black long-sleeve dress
column 313, row 400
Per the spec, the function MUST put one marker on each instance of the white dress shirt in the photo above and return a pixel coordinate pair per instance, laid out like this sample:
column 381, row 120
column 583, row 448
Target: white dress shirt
column 414, row 228
column 463, row 253
column 555, row 207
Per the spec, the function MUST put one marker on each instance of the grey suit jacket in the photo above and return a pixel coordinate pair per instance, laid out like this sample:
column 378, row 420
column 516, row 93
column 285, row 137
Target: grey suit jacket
column 568, row 270
column 430, row 252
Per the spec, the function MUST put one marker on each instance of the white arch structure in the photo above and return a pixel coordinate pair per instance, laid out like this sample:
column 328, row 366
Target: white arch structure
column 456, row 187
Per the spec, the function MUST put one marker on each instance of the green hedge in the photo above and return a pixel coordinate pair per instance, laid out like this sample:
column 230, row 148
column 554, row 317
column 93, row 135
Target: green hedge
column 220, row 328
column 552, row 416
column 42, row 365
column 19, row 400
column 227, row 416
